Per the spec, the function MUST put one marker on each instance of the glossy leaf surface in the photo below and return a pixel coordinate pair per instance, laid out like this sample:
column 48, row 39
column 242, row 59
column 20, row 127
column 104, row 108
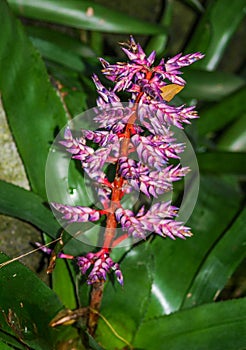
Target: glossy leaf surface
column 210, row 86
column 176, row 263
column 219, row 265
column 32, row 106
column 214, row 326
column 215, row 29
column 28, row 309
column 220, row 114
column 84, row 15
column 26, row 205
column 133, row 297
column 234, row 137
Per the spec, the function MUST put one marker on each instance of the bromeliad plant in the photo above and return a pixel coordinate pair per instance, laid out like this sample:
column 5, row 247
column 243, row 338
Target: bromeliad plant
column 135, row 138
column 166, row 283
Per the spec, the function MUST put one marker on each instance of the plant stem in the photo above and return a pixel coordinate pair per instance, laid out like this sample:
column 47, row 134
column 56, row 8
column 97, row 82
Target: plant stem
column 95, row 304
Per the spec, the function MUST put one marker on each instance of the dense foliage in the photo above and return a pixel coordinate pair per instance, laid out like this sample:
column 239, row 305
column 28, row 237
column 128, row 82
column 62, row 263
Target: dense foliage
column 172, row 296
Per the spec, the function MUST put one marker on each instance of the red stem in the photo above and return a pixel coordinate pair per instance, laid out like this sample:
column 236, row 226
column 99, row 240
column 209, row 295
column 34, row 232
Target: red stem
column 117, row 194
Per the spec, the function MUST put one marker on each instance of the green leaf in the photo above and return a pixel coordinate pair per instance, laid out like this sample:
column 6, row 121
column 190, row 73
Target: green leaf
column 84, row 15
column 215, row 29
column 4, row 346
column 222, row 162
column 219, row 265
column 234, row 137
column 28, row 309
column 217, row 116
column 32, row 106
column 210, row 86
column 133, row 297
column 55, row 53
column 158, row 42
column 176, row 263
column 92, row 343
column 63, row 284
column 214, row 326
column 64, row 41
column 26, row 205
column 195, row 4
column 11, row 340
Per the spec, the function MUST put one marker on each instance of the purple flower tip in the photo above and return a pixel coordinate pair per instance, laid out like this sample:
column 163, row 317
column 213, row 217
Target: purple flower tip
column 101, row 265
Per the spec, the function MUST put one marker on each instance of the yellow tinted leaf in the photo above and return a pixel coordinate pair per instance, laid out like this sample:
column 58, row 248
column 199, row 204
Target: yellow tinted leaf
column 169, row 91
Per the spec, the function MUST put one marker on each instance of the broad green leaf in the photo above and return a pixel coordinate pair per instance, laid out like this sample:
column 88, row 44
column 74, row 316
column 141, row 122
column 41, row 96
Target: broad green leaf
column 84, row 15
column 212, row 326
column 222, row 113
column 12, row 341
column 210, row 86
column 27, row 310
column 222, row 162
column 176, row 263
column 33, row 108
column 219, row 264
column 4, row 346
column 124, row 308
column 26, row 205
column 34, row 111
column 215, row 29
column 234, row 137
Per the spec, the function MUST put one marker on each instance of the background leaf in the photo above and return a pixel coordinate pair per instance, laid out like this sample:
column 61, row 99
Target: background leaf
column 133, row 297
column 215, row 29
column 85, row 15
column 223, row 162
column 33, row 109
column 30, row 312
column 217, row 326
column 210, row 86
column 219, row 264
column 177, row 263
column 28, row 206
column 216, row 116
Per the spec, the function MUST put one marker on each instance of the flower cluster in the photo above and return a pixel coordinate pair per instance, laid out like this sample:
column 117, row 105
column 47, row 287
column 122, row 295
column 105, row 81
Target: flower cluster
column 136, row 138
